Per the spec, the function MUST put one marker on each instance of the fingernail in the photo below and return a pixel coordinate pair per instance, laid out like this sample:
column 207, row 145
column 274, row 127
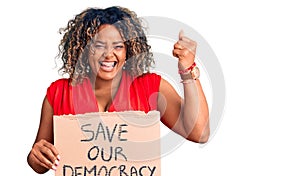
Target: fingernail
column 54, row 167
column 58, row 157
column 56, row 162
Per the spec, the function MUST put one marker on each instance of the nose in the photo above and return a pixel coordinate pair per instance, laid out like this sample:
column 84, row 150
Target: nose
column 109, row 51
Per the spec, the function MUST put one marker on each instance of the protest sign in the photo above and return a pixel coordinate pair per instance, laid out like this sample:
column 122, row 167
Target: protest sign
column 108, row 144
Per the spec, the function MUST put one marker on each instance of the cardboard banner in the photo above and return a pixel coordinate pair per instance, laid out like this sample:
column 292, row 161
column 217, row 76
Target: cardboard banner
column 108, row 144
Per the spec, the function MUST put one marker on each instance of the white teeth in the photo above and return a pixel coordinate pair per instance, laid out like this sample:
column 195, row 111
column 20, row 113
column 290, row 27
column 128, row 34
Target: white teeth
column 108, row 64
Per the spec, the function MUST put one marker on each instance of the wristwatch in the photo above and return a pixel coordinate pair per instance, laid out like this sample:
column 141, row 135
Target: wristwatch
column 192, row 74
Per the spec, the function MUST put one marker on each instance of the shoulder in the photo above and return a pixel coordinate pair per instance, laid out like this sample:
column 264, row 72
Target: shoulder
column 148, row 82
column 57, row 90
column 58, row 85
column 62, row 82
column 149, row 76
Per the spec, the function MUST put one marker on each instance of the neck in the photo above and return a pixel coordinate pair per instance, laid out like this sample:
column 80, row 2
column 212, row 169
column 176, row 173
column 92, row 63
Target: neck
column 106, row 86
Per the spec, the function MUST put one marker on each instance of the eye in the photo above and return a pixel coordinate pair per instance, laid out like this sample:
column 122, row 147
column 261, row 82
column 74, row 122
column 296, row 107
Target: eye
column 99, row 46
column 119, row 47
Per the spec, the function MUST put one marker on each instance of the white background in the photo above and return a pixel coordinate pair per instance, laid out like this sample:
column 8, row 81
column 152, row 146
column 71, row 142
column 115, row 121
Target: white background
column 257, row 43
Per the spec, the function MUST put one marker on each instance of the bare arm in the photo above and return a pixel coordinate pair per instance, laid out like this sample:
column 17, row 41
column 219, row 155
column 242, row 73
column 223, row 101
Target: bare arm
column 43, row 155
column 195, row 112
column 188, row 117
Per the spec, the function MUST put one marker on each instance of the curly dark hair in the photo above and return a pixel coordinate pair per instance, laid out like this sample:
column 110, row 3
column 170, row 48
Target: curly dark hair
column 79, row 33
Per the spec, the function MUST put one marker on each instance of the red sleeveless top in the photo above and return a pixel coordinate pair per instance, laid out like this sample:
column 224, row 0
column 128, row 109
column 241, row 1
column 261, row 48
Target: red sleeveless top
column 133, row 94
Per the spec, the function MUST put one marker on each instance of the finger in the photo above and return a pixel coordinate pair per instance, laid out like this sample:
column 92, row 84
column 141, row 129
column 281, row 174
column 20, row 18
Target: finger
column 37, row 160
column 186, row 39
column 48, row 152
column 191, row 46
column 53, row 150
column 176, row 53
column 181, row 34
column 187, row 42
column 178, row 46
column 183, row 44
column 180, row 53
column 183, row 37
column 42, row 160
column 50, row 159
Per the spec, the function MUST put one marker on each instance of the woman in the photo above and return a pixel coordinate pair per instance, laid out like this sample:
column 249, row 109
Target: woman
column 107, row 57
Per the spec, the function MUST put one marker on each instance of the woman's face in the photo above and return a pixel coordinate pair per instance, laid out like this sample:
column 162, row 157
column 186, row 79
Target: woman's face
column 108, row 53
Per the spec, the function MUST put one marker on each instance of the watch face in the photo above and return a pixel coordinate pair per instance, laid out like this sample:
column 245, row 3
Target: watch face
column 195, row 73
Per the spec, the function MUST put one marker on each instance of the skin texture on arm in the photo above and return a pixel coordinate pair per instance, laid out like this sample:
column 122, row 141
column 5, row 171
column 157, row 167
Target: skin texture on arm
column 43, row 155
column 188, row 117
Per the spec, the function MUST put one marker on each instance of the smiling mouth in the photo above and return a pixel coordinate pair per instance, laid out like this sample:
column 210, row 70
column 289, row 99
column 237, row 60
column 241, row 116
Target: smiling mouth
column 107, row 65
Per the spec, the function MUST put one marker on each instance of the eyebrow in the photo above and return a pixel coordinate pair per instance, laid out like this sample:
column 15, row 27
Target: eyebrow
column 114, row 43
